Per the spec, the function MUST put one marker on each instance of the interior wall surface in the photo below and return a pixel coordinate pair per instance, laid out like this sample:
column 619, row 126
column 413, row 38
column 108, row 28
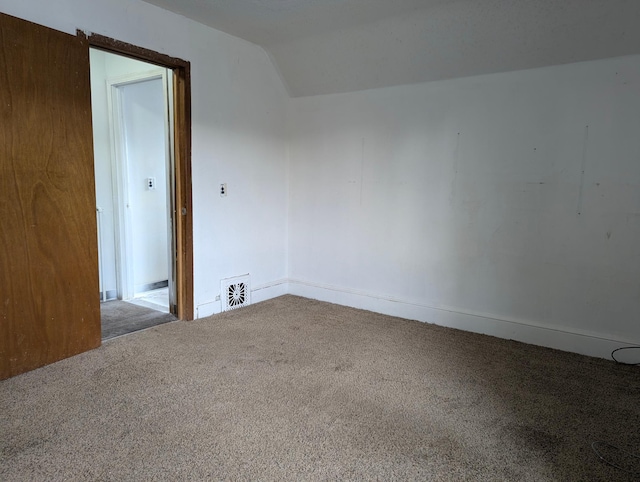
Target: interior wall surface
column 103, row 178
column 144, row 110
column 506, row 204
column 238, row 124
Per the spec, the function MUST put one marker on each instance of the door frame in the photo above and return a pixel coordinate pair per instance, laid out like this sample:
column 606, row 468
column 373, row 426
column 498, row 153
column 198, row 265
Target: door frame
column 183, row 216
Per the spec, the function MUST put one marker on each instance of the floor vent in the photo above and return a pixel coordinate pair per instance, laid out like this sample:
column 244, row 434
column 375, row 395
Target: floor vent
column 235, row 292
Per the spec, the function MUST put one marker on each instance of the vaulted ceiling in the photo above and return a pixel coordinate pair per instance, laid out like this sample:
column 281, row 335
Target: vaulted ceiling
column 331, row 46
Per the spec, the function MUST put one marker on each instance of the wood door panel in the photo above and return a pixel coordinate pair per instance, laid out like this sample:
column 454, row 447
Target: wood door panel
column 49, row 304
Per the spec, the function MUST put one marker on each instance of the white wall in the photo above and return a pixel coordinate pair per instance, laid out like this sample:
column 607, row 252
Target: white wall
column 238, row 115
column 143, row 114
column 464, row 202
column 102, row 166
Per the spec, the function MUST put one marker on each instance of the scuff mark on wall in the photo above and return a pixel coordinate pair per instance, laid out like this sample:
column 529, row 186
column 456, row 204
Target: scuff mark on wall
column 583, row 167
column 633, row 218
column 361, row 170
column 456, row 157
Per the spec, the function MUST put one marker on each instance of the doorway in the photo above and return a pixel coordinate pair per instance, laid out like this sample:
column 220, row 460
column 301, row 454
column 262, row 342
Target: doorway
column 144, row 166
column 49, row 246
column 135, row 192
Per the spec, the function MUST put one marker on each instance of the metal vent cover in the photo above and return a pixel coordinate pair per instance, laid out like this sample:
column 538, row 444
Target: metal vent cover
column 235, row 292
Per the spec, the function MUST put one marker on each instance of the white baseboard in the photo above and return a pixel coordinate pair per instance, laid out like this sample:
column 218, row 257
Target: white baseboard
column 558, row 337
column 207, row 308
column 584, row 343
column 259, row 293
column 269, row 290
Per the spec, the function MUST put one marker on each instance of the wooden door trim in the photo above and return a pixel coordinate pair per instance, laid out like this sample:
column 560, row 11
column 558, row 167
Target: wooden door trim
column 182, row 154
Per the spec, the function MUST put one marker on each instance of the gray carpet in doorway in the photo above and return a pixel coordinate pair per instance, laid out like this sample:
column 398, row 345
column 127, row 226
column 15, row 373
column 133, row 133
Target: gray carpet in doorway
column 119, row 318
column 295, row 389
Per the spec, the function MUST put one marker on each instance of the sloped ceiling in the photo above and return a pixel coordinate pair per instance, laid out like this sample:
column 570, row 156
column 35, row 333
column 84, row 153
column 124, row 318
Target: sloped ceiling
column 331, row 46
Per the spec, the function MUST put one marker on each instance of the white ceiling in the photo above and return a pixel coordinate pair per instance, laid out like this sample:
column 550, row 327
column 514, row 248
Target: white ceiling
column 330, row 46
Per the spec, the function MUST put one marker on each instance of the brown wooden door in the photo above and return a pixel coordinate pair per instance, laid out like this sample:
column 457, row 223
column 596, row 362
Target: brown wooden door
column 49, row 303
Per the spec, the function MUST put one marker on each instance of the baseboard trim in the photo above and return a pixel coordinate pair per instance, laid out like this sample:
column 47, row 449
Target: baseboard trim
column 560, row 338
column 151, row 286
column 582, row 342
column 259, row 293
column 207, row 308
column 108, row 295
column 269, row 290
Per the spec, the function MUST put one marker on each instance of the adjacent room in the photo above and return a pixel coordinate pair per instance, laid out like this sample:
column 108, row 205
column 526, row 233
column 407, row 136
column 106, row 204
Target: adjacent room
column 134, row 204
column 356, row 239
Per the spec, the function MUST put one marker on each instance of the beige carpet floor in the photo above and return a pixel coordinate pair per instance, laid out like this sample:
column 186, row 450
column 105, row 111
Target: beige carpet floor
column 295, row 389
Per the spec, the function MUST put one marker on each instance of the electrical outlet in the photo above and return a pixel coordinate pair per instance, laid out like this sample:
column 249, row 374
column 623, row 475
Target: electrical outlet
column 217, row 297
column 151, row 183
column 223, row 189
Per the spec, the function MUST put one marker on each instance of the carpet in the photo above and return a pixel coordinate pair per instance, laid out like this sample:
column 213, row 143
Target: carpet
column 120, row 318
column 296, row 389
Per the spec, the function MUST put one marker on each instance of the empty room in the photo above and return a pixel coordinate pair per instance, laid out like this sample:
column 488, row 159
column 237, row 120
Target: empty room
column 399, row 240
